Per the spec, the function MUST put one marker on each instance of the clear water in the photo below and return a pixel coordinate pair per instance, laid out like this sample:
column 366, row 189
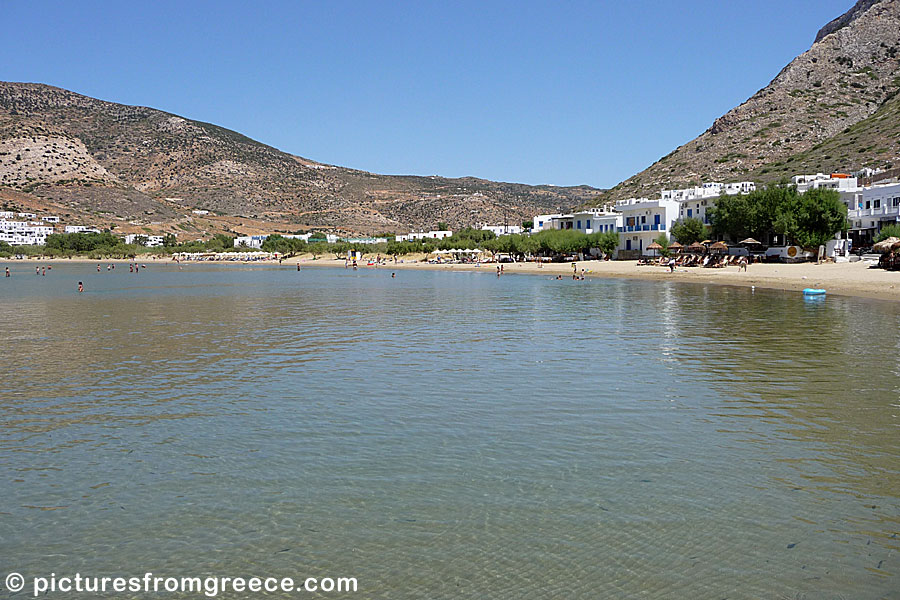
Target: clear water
column 450, row 435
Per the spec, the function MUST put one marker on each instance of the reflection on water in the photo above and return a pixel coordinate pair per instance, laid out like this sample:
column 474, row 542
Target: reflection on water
column 451, row 435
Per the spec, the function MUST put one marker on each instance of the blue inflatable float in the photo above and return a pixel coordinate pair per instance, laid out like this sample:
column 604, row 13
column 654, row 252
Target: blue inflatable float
column 813, row 292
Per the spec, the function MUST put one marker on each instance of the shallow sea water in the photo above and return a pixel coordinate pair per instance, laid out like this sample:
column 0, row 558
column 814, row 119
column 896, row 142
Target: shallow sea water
column 450, row 435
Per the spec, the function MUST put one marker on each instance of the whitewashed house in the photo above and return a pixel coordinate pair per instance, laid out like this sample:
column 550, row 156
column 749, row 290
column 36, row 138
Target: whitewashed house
column 644, row 220
column 424, row 235
column 870, row 209
column 499, row 230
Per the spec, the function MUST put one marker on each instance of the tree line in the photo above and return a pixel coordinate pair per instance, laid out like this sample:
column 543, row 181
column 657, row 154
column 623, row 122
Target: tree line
column 807, row 219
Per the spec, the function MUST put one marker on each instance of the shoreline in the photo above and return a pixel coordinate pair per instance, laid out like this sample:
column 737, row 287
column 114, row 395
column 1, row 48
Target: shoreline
column 844, row 279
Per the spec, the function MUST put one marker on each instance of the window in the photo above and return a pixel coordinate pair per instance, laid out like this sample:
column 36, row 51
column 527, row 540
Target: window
column 868, row 204
column 690, row 213
column 876, row 204
column 897, row 201
column 579, row 224
column 587, row 224
column 643, row 219
column 540, row 223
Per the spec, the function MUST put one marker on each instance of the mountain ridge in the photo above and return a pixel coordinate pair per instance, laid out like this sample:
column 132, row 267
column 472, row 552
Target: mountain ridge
column 68, row 146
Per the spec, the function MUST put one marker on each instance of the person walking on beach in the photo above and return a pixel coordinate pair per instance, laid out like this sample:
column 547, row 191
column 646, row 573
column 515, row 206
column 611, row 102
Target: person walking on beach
column 742, row 263
column 672, row 265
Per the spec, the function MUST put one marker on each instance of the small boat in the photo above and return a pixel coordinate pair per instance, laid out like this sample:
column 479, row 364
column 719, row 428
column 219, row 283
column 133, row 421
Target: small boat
column 813, row 292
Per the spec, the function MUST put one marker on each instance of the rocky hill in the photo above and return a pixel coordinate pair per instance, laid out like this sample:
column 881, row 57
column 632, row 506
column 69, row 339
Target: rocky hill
column 833, row 107
column 148, row 166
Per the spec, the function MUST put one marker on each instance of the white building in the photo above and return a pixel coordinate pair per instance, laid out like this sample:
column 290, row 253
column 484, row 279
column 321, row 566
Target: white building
column 151, row 241
column 250, row 241
column 644, row 220
column 26, row 215
column 200, row 212
column 871, row 208
column 499, row 230
column 7, row 215
column 586, row 221
column 365, row 240
column 695, row 201
column 50, row 219
column 835, row 181
column 542, row 222
column 20, row 233
column 80, row 229
column 422, row 235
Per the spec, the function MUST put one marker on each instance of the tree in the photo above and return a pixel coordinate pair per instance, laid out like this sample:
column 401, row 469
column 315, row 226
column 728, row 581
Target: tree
column 687, row 231
column 750, row 215
column 888, row 231
column 812, row 218
column 442, row 226
column 527, row 225
column 606, row 241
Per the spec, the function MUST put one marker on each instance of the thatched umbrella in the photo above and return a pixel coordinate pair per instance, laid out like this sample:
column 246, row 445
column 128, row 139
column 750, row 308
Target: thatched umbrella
column 675, row 246
column 885, row 246
column 719, row 247
column 749, row 242
column 655, row 247
column 696, row 247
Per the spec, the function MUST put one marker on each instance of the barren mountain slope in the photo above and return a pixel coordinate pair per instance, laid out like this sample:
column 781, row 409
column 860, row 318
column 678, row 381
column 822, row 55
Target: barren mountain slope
column 53, row 142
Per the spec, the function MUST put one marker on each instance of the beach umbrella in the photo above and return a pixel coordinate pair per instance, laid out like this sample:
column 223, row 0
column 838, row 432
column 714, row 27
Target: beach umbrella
column 696, row 247
column 748, row 241
column 719, row 246
column 676, row 247
column 655, row 247
column 886, row 245
column 706, row 242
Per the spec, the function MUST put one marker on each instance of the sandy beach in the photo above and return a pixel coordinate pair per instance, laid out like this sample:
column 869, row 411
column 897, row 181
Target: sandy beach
column 847, row 279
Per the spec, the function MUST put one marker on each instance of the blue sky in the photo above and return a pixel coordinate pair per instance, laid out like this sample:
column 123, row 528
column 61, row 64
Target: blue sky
column 533, row 92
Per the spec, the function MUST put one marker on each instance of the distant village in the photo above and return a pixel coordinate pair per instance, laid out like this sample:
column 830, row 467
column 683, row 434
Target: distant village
column 638, row 221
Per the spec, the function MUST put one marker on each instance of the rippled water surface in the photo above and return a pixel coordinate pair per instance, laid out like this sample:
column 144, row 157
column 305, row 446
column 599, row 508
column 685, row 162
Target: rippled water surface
column 450, row 435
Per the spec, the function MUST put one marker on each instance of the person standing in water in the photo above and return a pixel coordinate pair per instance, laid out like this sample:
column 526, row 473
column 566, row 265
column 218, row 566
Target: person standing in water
column 7, row 271
column 80, row 287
